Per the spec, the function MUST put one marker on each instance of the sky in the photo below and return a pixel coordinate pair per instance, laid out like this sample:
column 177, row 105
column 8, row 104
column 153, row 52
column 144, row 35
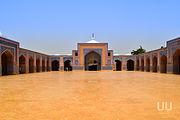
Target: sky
column 56, row 26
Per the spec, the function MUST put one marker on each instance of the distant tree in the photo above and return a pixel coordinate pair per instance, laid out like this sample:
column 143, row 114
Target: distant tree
column 138, row 51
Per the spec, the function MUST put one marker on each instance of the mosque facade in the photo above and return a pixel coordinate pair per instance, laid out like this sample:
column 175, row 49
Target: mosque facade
column 89, row 56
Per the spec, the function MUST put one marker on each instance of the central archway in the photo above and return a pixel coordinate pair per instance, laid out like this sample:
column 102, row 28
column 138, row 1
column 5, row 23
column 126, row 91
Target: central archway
column 130, row 65
column 67, row 65
column 118, row 65
column 92, row 61
column 176, row 62
column 7, row 63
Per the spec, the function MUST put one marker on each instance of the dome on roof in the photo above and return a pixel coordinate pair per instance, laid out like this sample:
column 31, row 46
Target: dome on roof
column 92, row 41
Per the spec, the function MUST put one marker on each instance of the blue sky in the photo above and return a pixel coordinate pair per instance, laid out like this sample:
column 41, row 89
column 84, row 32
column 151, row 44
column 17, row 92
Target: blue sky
column 56, row 26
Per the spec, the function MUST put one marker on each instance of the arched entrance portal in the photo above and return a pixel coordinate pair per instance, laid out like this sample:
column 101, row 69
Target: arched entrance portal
column 43, row 65
column 137, row 64
column 55, row 65
column 22, row 64
column 92, row 61
column 7, row 63
column 154, row 66
column 163, row 65
column 147, row 64
column 67, row 65
column 142, row 64
column 176, row 62
column 38, row 65
column 31, row 65
column 118, row 65
column 130, row 65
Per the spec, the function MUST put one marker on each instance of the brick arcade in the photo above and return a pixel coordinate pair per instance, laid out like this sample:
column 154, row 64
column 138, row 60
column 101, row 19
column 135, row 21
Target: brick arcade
column 89, row 56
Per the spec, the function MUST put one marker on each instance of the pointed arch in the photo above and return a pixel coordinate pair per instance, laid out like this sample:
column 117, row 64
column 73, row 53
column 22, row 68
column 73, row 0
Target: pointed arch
column 130, row 65
column 7, row 59
column 55, row 65
column 31, row 65
column 92, row 61
column 147, row 64
column 118, row 65
column 22, row 64
column 37, row 65
column 43, row 65
column 163, row 64
column 137, row 64
column 154, row 65
column 47, row 65
column 142, row 64
column 67, row 65
column 176, row 62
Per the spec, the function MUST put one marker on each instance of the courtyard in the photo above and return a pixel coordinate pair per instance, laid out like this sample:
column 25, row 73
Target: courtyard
column 98, row 95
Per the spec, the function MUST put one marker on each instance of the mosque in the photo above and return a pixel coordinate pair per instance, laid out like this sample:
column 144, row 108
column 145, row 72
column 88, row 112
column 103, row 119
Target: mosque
column 89, row 56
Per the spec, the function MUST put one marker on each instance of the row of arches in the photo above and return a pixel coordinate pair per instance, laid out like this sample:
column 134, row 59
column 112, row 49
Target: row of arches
column 163, row 64
column 22, row 65
column 130, row 65
column 162, row 68
column 67, row 65
column 7, row 63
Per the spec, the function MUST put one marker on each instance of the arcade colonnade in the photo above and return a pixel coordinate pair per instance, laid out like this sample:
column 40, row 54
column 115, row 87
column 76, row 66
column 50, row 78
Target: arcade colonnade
column 15, row 60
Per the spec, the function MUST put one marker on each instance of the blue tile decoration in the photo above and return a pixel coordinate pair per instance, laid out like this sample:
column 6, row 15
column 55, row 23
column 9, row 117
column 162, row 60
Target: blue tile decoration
column 169, row 47
column 107, row 67
column 11, row 45
column 76, row 62
column 163, row 52
column 174, row 49
column 118, row 58
column 77, row 67
column 31, row 55
column 154, row 54
column 109, row 62
column 68, row 58
column 38, row 56
column 124, row 67
column 87, row 50
column 61, row 67
column 55, row 58
column 128, row 58
column 22, row 53
column 148, row 56
column 3, row 48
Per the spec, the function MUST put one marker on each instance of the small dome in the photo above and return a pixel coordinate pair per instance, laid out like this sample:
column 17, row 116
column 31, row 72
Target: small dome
column 92, row 41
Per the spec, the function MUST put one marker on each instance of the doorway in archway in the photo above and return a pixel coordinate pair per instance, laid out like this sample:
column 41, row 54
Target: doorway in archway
column 67, row 65
column 176, row 62
column 130, row 65
column 93, row 61
column 7, row 63
column 55, row 65
column 118, row 65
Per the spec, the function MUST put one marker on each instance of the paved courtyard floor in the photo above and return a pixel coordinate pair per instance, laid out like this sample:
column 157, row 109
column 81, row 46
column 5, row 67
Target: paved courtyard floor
column 89, row 96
